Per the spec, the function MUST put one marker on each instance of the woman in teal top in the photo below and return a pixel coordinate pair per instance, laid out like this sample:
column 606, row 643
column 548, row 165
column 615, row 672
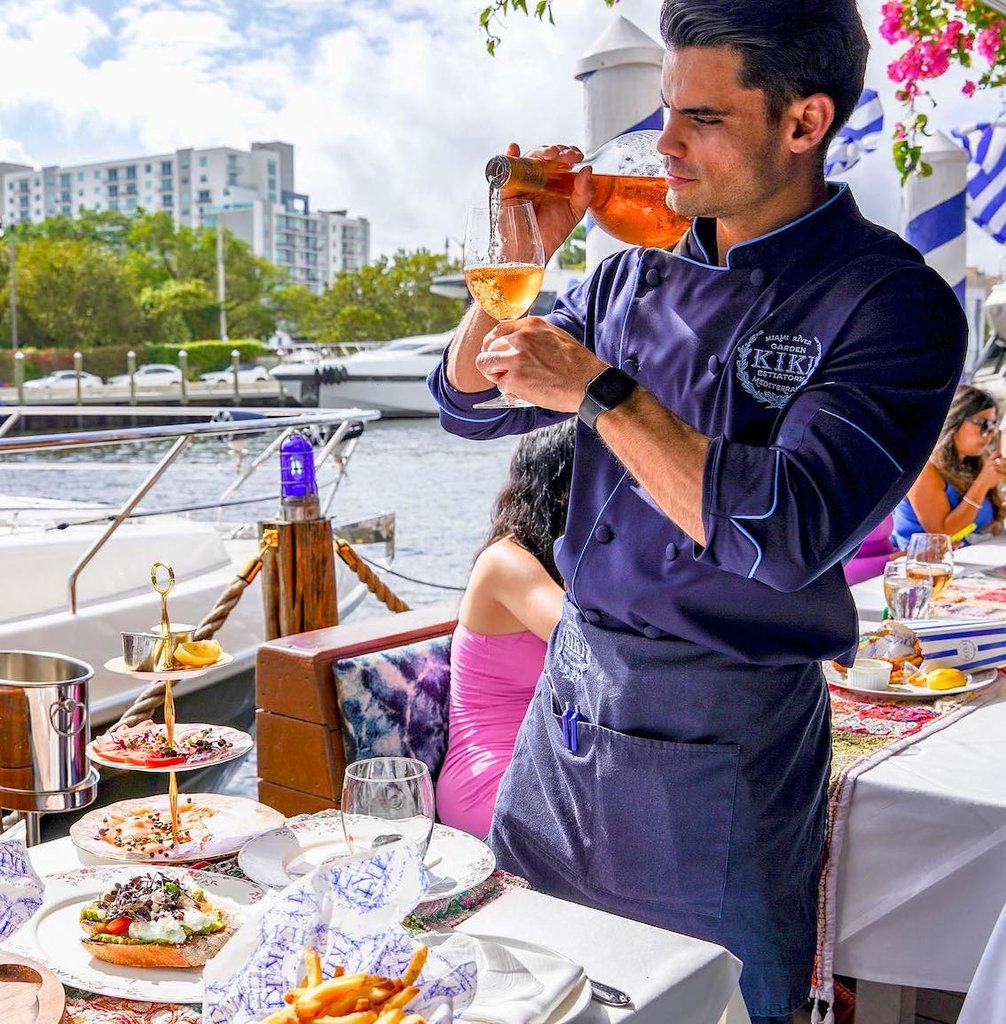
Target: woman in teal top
column 958, row 485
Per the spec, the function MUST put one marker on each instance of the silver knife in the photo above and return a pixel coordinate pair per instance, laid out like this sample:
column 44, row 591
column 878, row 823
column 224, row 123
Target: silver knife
column 608, row 995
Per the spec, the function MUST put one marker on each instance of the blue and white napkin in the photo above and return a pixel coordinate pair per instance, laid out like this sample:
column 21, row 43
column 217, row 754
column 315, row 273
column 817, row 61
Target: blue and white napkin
column 21, row 889
column 351, row 913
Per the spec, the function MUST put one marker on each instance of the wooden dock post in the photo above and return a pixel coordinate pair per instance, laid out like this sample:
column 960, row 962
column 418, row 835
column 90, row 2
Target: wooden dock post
column 298, row 578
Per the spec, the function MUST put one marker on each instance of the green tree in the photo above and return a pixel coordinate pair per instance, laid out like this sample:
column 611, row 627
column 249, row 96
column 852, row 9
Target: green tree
column 293, row 306
column 72, row 293
column 386, row 299
column 491, row 17
column 573, row 255
column 178, row 311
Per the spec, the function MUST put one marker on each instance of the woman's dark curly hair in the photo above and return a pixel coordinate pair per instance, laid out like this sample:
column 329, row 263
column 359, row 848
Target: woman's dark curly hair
column 968, row 401
column 531, row 507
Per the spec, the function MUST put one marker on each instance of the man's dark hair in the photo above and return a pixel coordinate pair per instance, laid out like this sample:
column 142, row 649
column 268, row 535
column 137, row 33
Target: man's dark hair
column 790, row 48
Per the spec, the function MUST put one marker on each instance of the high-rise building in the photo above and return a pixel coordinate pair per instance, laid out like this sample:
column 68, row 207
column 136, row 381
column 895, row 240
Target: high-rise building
column 251, row 192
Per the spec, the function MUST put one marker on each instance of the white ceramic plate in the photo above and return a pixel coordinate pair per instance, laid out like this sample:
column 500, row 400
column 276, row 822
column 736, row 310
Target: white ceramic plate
column 455, row 860
column 52, row 936
column 118, row 665
column 240, row 742
column 233, row 821
column 576, row 1001
column 905, row 691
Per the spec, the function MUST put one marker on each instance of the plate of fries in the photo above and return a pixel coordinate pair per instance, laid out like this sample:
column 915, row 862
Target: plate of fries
column 359, row 998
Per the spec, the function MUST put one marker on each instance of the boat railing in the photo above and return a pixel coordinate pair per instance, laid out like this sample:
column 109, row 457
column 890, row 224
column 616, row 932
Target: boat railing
column 347, row 425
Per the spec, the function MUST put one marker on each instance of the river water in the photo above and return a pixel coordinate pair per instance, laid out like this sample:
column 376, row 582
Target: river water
column 440, row 487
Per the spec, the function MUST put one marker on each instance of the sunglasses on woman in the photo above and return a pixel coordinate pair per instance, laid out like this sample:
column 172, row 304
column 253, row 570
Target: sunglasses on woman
column 984, row 425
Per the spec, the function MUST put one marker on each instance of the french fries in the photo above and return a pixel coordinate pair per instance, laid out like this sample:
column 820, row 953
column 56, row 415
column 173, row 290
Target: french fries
column 351, row 998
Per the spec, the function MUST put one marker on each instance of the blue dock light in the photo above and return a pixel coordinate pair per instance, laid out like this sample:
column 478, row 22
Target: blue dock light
column 298, row 484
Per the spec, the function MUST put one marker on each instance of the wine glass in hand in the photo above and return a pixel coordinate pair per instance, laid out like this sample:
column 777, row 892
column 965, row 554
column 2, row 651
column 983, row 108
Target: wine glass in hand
column 931, row 556
column 504, row 267
column 387, row 799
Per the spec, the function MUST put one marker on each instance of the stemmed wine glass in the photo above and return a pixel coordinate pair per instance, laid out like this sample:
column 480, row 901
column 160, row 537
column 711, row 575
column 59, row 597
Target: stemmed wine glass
column 387, row 799
column 907, row 597
column 931, row 556
column 504, row 267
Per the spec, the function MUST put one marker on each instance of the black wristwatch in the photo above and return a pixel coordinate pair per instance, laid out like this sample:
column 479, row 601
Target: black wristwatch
column 609, row 388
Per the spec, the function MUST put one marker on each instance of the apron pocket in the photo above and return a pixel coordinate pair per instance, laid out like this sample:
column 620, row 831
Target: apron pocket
column 662, row 817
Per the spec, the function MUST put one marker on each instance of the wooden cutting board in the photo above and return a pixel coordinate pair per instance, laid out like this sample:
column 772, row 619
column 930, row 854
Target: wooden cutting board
column 29, row 993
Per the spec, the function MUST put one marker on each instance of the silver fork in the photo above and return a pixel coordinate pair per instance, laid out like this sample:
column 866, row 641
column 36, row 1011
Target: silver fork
column 608, row 995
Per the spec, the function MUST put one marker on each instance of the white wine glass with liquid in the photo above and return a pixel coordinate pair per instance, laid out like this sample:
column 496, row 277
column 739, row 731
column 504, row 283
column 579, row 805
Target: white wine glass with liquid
column 906, row 597
column 504, row 267
column 931, row 556
column 387, row 799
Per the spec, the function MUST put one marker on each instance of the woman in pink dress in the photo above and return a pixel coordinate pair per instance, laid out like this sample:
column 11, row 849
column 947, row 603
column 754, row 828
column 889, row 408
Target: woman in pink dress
column 510, row 607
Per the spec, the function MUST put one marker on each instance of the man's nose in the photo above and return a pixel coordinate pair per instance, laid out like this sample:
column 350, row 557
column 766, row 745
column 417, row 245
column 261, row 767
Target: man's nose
column 670, row 141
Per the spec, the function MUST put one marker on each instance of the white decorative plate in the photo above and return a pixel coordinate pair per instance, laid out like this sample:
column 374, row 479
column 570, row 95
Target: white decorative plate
column 232, row 822
column 455, row 860
column 905, row 691
column 240, row 744
column 52, row 936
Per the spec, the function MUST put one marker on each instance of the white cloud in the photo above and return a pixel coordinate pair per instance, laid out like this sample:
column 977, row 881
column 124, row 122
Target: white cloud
column 393, row 105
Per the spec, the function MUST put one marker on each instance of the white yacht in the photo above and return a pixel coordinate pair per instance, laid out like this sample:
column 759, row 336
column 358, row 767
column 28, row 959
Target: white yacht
column 389, row 377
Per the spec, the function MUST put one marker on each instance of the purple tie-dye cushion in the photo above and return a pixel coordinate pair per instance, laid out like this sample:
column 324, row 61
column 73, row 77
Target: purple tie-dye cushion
column 395, row 703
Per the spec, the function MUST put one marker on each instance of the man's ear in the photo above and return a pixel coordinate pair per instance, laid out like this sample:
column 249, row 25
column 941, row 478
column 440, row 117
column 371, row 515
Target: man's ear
column 808, row 120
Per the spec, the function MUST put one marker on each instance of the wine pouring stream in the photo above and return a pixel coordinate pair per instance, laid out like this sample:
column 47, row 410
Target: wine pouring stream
column 503, row 270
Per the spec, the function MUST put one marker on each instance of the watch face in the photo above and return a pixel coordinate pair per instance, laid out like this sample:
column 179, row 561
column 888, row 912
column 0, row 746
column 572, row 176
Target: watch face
column 611, row 387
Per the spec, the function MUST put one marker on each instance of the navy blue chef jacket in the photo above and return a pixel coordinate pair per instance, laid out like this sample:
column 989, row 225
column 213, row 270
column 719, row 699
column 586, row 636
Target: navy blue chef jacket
column 821, row 361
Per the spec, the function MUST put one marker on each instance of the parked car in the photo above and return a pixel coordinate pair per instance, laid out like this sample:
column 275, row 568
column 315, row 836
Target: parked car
column 64, row 379
column 152, row 375
column 248, row 373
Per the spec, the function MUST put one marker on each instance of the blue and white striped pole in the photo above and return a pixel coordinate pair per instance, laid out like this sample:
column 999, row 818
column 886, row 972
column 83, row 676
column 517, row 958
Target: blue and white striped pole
column 621, row 82
column 935, row 221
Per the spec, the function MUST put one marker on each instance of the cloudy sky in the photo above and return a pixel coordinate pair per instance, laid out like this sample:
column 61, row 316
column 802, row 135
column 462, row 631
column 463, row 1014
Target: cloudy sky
column 393, row 105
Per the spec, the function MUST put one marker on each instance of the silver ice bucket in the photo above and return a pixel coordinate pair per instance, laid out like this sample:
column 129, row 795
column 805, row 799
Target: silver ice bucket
column 44, row 730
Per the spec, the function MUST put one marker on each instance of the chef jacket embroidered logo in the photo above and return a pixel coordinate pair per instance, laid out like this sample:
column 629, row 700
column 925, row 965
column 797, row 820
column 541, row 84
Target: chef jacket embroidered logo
column 771, row 367
column 572, row 655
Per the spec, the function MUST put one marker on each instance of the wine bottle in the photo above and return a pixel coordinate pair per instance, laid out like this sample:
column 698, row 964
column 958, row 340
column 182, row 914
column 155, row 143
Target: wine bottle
column 630, row 190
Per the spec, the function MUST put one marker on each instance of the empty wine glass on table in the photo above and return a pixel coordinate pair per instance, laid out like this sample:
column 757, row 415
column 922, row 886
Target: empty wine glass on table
column 907, row 597
column 931, row 556
column 387, row 799
column 504, row 267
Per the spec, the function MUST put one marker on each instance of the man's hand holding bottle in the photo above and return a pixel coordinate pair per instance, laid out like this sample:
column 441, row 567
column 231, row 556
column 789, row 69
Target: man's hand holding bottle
column 557, row 214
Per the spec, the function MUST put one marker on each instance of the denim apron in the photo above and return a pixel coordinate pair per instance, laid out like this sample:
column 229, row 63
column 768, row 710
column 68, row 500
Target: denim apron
column 671, row 784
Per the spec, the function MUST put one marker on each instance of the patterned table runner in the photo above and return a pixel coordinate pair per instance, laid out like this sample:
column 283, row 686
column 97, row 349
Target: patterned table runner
column 437, row 915
column 866, row 731
column 977, row 595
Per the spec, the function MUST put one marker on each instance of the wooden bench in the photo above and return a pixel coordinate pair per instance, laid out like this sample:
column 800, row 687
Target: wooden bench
column 300, row 750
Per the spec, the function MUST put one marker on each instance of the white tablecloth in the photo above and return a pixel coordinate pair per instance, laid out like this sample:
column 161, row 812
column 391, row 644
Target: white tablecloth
column 986, row 1001
column 922, row 876
column 669, row 977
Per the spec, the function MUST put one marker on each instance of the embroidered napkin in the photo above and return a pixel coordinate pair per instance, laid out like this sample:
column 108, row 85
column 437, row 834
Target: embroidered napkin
column 20, row 888
column 518, row 983
column 351, row 913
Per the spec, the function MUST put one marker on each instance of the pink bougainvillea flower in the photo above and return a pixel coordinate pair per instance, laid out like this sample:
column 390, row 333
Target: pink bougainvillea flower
column 969, row 88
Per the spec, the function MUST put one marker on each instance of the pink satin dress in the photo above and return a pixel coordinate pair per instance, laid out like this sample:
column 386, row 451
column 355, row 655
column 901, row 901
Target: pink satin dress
column 493, row 679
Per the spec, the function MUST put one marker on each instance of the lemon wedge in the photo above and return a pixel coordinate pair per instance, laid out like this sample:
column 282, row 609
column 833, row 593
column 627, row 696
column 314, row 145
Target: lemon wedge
column 198, row 653
column 945, row 679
